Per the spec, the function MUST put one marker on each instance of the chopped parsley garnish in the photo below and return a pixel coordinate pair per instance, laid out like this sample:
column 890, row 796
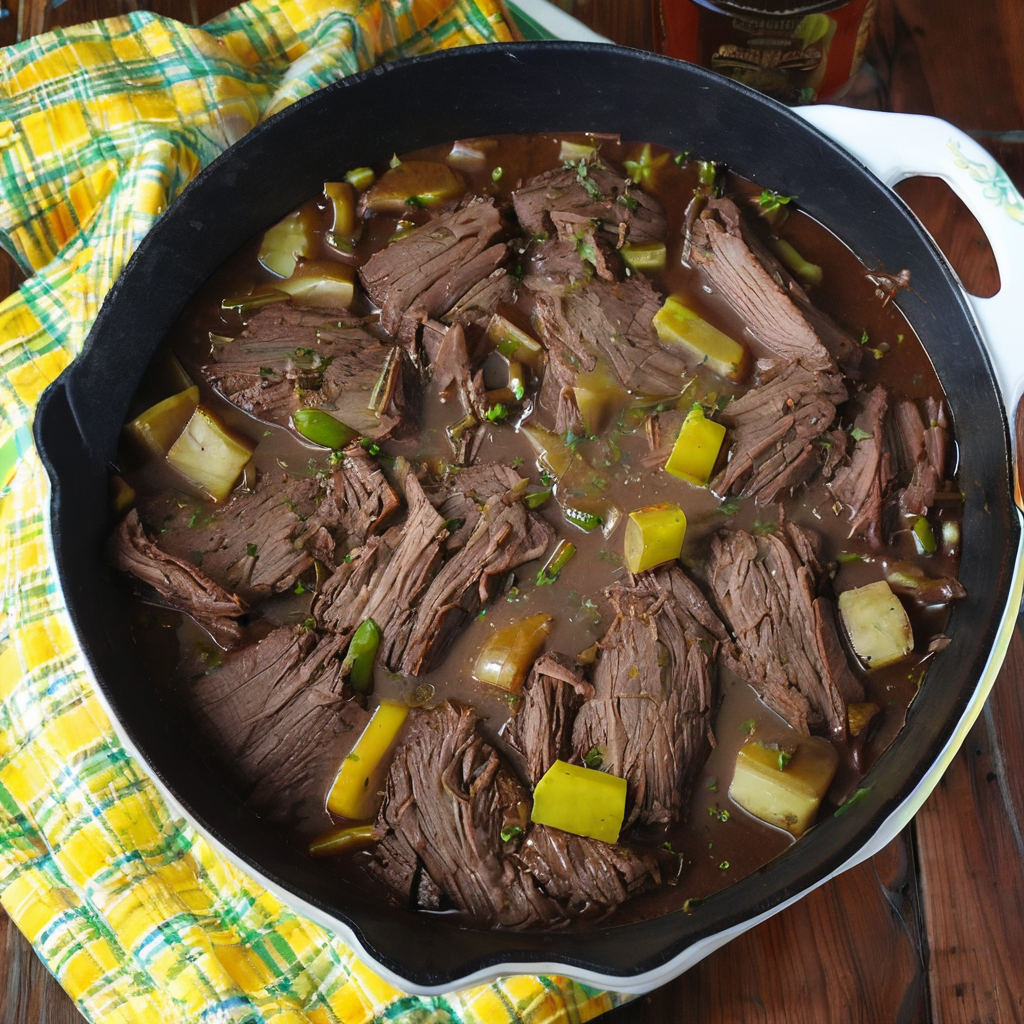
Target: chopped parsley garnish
column 517, row 273
column 250, row 550
column 497, row 413
column 844, row 557
column 724, row 866
column 594, row 757
column 510, row 832
column 628, row 201
column 860, row 435
column 371, row 447
column 784, row 758
column 496, row 174
column 517, row 461
column 352, row 757
column 748, row 726
column 729, row 508
column 591, row 186
column 266, row 371
column 864, row 337
column 299, row 588
column 309, row 623
column 395, row 162
column 855, row 799
column 771, row 201
column 416, row 201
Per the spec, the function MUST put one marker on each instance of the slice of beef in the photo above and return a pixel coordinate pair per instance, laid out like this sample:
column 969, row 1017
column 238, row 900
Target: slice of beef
column 423, row 273
column 786, row 647
column 777, row 431
column 592, row 192
column 364, row 500
column 257, row 544
column 289, row 358
column 734, row 270
column 541, row 728
column 278, row 717
column 649, row 720
column 478, row 305
column 462, row 388
column 611, row 321
column 863, row 484
column 385, row 579
column 448, row 797
column 589, row 878
column 460, row 498
column 179, row 583
column 506, row 536
column 920, row 453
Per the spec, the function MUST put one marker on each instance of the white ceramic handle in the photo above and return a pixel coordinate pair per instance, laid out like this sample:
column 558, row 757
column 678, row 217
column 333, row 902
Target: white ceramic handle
column 898, row 146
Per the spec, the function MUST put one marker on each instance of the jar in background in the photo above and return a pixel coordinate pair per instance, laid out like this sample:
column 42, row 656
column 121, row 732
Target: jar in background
column 794, row 50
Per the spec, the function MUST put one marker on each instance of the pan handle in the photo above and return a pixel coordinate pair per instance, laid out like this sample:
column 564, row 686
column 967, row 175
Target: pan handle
column 898, row 146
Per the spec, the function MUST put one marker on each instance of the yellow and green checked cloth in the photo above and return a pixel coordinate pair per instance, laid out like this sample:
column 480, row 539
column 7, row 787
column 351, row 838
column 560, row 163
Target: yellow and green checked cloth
column 101, row 126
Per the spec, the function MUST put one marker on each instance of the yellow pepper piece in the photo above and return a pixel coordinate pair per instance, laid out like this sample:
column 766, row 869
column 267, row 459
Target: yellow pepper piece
column 645, row 256
column 600, row 398
column 342, row 198
column 160, row 425
column 413, row 184
column 784, row 787
column 581, row 801
column 696, row 449
column 320, row 283
column 678, row 324
column 354, row 794
column 209, row 455
column 289, row 238
column 341, row 840
column 511, row 651
column 654, row 535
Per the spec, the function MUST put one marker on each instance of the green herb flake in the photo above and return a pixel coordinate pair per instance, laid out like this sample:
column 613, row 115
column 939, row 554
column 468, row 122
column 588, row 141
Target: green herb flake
column 690, row 905
column 250, row 550
column 724, row 866
column 713, row 783
column 855, row 799
column 845, row 557
column 864, row 337
column 517, row 461
column 309, row 623
column 352, row 757
column 748, row 726
column 729, row 508
column 860, row 435
column 771, row 200
column 418, row 202
column 395, row 162
column 784, row 758
column 496, row 174
column 594, row 758
column 299, row 588
column 510, row 832
column 497, row 413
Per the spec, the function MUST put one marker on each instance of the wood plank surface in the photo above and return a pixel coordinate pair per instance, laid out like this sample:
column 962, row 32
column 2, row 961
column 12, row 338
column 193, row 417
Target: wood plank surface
column 931, row 930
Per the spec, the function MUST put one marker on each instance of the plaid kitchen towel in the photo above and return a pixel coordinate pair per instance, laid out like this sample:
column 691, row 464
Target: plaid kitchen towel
column 140, row 920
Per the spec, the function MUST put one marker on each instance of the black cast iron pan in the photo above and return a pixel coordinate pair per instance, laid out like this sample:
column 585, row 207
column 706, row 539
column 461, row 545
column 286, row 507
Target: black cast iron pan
column 544, row 87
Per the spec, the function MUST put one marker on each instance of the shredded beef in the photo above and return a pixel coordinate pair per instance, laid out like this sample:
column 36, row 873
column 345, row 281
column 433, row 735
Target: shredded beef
column 778, row 432
column 862, row 485
column 460, row 498
column 453, row 374
column 920, row 453
column 289, row 358
column 425, row 272
column 735, row 271
column 541, row 728
column 606, row 197
column 385, row 579
column 178, row 581
column 278, row 716
column 589, row 878
column 506, row 536
column 448, row 798
column 611, row 321
column 786, row 646
column 650, row 717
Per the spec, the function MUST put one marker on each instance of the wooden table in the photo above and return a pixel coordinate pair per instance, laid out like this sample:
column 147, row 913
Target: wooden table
column 932, row 928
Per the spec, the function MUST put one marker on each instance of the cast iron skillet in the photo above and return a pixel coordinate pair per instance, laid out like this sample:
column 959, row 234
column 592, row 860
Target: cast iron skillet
column 472, row 92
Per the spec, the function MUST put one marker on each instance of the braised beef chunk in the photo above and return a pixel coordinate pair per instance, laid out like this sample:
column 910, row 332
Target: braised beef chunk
column 179, row 582
column 588, row 877
column 920, row 453
column 735, row 271
column 610, row 321
column 786, row 645
column 256, row 545
column 590, row 192
column 505, row 537
column 460, row 498
column 424, row 273
column 463, row 389
column 289, row 358
column 649, row 720
column 541, row 728
column 360, row 492
column 278, row 716
column 862, row 485
column 385, row 579
column 479, row 303
column 448, row 797
column 778, row 432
